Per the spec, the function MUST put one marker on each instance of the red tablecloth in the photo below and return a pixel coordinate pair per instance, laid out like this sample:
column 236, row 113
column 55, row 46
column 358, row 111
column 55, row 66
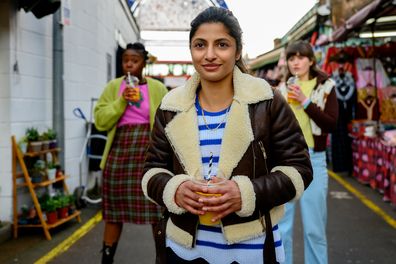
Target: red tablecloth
column 374, row 164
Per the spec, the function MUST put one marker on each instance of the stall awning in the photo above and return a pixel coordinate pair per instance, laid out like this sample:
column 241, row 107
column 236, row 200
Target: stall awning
column 266, row 58
column 375, row 9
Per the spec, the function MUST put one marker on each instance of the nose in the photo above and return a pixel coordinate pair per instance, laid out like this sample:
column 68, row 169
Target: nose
column 210, row 53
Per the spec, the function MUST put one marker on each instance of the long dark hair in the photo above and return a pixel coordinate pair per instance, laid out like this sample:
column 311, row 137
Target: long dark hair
column 303, row 48
column 221, row 15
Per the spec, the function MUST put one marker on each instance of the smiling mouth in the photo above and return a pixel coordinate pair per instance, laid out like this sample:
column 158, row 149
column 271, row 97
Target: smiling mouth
column 211, row 67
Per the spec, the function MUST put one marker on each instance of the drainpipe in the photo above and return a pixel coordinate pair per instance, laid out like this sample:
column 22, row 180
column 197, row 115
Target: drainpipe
column 58, row 115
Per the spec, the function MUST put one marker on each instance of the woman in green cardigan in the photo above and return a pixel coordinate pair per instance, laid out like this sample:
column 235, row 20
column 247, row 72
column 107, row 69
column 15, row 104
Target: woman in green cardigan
column 126, row 111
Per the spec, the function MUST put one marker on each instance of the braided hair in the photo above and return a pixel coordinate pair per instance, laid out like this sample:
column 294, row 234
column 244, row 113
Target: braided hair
column 139, row 47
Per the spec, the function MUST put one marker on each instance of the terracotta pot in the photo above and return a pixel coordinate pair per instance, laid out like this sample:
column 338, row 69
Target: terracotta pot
column 63, row 212
column 52, row 217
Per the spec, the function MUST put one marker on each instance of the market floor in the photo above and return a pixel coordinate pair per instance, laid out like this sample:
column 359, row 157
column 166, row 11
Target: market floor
column 361, row 229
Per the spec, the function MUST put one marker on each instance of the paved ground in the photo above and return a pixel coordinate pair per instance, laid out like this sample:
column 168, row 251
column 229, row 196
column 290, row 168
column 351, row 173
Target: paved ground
column 356, row 234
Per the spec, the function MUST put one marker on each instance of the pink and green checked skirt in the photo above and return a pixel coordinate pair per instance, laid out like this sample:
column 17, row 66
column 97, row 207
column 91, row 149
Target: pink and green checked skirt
column 123, row 198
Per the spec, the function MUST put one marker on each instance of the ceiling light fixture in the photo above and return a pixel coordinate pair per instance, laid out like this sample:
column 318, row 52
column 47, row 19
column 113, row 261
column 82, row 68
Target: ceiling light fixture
column 378, row 34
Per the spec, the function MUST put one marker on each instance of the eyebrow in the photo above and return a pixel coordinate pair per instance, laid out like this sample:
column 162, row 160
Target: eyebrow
column 216, row 40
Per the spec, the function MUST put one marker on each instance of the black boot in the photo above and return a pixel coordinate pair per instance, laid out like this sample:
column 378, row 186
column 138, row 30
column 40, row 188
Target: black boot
column 108, row 253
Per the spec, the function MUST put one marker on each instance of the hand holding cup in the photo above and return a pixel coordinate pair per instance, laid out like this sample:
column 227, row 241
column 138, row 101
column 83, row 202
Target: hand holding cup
column 132, row 90
column 294, row 94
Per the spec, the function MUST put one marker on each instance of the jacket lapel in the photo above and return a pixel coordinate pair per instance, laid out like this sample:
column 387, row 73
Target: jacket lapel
column 237, row 136
column 182, row 133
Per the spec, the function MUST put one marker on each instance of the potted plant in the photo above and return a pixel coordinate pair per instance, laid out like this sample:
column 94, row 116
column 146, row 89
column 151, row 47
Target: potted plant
column 32, row 136
column 63, row 209
column 45, row 142
column 23, row 144
column 51, row 134
column 50, row 208
column 51, row 170
column 38, row 171
column 23, row 215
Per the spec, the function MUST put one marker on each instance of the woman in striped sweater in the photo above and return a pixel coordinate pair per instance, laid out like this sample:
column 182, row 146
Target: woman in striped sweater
column 226, row 122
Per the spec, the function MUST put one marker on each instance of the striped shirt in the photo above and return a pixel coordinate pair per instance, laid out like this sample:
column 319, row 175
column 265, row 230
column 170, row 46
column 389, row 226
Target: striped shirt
column 211, row 127
column 210, row 242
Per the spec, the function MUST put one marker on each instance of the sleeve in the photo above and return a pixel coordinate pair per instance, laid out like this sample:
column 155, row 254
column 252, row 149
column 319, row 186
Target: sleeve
column 288, row 159
column 327, row 119
column 159, row 184
column 109, row 108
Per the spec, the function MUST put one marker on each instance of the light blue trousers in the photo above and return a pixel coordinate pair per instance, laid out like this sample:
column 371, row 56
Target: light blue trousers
column 313, row 204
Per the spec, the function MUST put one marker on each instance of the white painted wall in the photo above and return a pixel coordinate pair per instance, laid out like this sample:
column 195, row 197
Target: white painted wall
column 26, row 95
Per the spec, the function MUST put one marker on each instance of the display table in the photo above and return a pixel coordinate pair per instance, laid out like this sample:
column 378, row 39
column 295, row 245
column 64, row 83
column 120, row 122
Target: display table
column 374, row 164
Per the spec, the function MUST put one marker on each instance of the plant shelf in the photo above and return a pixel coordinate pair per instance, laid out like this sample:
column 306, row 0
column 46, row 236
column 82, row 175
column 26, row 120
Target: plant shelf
column 18, row 158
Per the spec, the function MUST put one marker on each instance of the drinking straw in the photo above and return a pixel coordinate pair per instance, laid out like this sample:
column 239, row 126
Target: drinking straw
column 208, row 177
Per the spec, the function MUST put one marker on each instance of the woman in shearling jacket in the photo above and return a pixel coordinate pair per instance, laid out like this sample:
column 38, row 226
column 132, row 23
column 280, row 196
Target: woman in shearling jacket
column 260, row 150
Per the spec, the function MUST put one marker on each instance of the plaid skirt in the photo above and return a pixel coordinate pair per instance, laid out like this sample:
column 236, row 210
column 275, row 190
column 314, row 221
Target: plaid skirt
column 123, row 198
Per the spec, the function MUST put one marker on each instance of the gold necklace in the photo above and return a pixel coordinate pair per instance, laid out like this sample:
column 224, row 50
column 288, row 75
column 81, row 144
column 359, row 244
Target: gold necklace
column 206, row 123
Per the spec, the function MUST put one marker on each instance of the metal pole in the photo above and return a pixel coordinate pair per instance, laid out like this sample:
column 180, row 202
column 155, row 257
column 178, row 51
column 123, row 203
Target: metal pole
column 58, row 116
column 376, row 106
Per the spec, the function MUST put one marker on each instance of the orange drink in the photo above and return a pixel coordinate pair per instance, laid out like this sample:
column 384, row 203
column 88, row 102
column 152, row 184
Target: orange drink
column 133, row 83
column 291, row 80
column 206, row 219
column 136, row 96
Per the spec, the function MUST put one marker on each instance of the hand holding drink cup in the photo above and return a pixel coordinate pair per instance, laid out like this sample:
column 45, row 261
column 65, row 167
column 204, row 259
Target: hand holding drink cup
column 294, row 94
column 132, row 91
column 212, row 199
column 293, row 90
column 210, row 193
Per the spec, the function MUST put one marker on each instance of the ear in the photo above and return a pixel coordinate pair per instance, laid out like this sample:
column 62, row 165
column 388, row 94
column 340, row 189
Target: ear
column 238, row 56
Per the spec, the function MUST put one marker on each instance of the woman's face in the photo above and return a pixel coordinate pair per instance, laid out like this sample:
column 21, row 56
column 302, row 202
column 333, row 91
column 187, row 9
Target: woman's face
column 299, row 65
column 213, row 52
column 133, row 62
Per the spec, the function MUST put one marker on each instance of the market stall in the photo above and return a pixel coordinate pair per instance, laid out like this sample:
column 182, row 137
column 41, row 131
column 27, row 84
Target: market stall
column 362, row 61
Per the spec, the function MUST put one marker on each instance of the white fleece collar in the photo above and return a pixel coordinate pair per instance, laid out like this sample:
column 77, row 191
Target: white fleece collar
column 247, row 90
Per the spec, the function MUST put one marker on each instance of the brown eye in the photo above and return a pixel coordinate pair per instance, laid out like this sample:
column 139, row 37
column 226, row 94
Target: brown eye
column 198, row 45
column 223, row 45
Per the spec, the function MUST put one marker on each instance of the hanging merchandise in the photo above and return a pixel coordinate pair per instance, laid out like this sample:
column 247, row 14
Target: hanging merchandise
column 371, row 77
column 370, row 74
column 341, row 150
column 345, row 86
column 387, row 100
column 340, row 56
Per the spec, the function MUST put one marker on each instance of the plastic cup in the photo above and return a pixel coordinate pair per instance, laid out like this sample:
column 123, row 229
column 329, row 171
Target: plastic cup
column 291, row 80
column 136, row 96
column 133, row 82
column 206, row 219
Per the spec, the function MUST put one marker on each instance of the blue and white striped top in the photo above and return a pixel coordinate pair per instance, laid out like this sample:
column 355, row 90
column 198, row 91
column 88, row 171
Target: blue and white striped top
column 210, row 138
column 210, row 242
